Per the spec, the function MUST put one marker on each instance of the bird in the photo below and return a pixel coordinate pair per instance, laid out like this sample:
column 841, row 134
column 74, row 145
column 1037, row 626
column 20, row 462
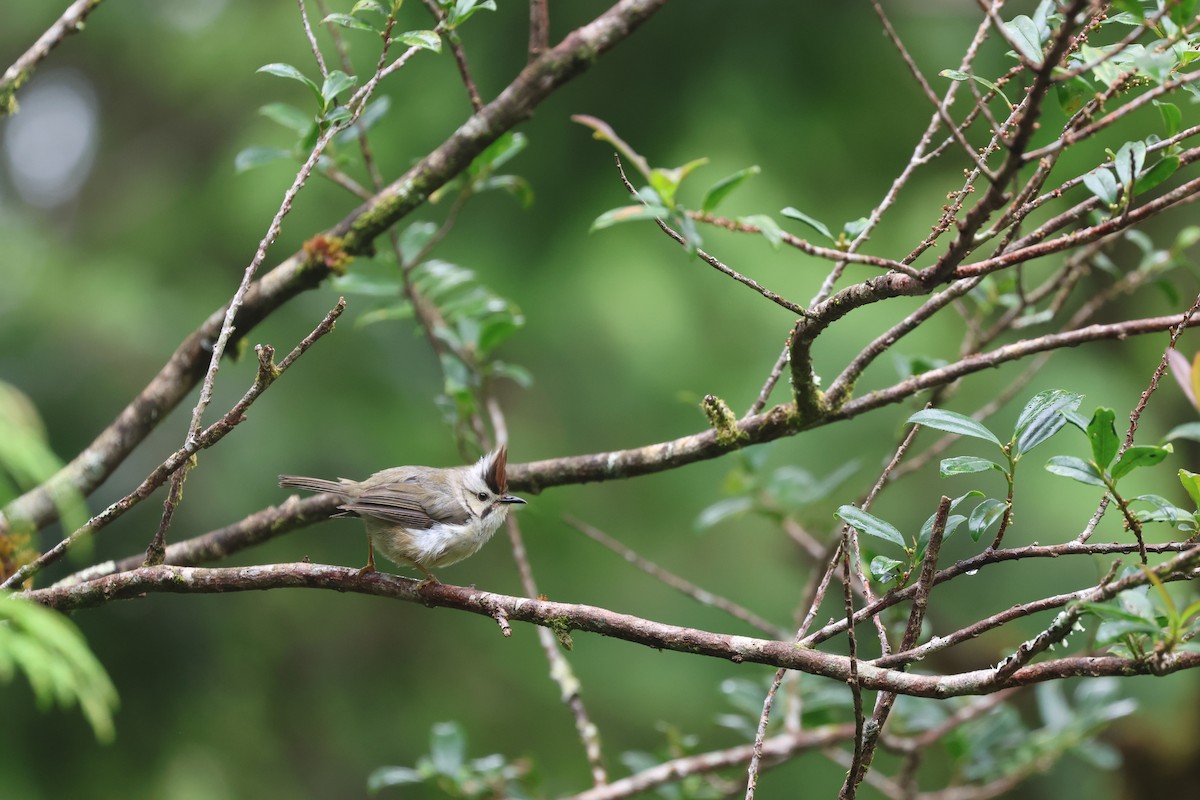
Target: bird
column 425, row 517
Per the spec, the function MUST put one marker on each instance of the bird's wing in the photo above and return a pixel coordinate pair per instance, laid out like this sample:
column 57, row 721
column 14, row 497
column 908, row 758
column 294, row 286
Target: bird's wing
column 406, row 504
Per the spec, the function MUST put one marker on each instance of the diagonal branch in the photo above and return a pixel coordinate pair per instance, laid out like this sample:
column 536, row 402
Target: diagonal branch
column 70, row 22
column 782, row 420
column 268, row 373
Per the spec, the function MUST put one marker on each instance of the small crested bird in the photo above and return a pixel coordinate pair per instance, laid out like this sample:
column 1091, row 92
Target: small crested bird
column 424, row 516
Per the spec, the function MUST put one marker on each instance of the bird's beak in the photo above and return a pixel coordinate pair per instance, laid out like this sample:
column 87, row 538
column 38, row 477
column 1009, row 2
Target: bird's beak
column 509, row 499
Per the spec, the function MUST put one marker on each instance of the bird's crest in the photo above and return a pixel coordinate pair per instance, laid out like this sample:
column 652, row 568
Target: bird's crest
column 494, row 471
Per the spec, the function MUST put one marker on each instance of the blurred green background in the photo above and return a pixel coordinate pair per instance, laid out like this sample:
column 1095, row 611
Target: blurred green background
column 303, row 694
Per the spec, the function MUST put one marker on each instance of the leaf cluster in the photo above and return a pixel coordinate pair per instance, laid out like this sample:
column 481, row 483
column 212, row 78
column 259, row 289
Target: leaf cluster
column 447, row 768
column 52, row 654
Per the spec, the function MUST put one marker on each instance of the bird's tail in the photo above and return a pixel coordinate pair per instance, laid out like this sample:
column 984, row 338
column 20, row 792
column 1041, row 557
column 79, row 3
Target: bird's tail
column 312, row 484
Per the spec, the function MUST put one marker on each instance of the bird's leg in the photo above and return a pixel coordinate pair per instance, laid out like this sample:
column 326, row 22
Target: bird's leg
column 370, row 567
column 429, row 576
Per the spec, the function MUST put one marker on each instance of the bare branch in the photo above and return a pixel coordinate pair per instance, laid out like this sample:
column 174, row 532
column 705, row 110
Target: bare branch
column 566, row 617
column 20, row 71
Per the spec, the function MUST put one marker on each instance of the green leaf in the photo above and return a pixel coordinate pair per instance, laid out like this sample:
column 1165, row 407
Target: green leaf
column 687, row 227
column 256, row 156
column 1188, row 430
column 985, row 515
column 414, row 239
column 501, row 321
column 1131, row 7
column 964, row 465
column 1043, row 417
column 855, row 226
column 347, row 21
column 338, row 114
column 288, row 71
column 514, row 372
column 513, row 185
column 288, row 116
column 1077, row 419
column 870, row 525
column 1111, row 610
column 953, row 422
column 1073, row 94
column 1141, row 456
column 723, row 510
column 1103, row 185
column 884, row 569
column 1182, row 12
column 391, row 313
column 1076, row 469
column 792, row 488
column 424, row 39
column 666, row 182
column 1105, row 71
column 392, row 776
column 629, row 214
column 456, row 376
column 1166, row 511
column 55, row 658
column 498, row 153
column 1102, row 433
column 1172, row 117
column 721, row 189
column 459, row 11
column 336, row 82
column 367, row 285
column 959, row 75
column 440, row 280
column 908, row 366
column 366, row 120
column 1164, row 168
column 768, row 227
column 1186, row 238
column 1129, row 162
column 370, row 5
column 953, row 522
column 447, row 748
column 815, row 224
column 1191, row 484
column 1024, row 34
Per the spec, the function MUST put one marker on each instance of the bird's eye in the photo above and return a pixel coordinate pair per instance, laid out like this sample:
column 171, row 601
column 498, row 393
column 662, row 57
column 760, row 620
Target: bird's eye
column 482, row 495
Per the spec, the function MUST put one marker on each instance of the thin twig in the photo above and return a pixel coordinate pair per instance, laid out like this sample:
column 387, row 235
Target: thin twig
column 560, row 668
column 776, row 750
column 887, row 700
column 677, row 583
column 709, row 259
column 939, row 107
column 539, row 27
column 312, row 40
column 20, row 71
column 207, row 438
column 460, row 56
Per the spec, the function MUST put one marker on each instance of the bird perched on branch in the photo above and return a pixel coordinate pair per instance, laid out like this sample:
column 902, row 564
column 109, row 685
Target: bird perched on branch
column 424, row 516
